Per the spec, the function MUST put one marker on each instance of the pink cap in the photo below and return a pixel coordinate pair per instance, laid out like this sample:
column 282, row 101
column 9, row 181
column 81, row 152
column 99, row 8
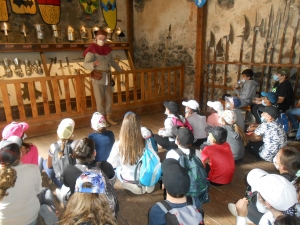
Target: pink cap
column 14, row 129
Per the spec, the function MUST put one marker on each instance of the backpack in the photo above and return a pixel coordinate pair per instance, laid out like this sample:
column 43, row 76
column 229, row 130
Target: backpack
column 178, row 123
column 148, row 169
column 187, row 215
column 198, row 176
column 59, row 164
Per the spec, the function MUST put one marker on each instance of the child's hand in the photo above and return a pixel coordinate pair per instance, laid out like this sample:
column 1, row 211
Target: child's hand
column 242, row 207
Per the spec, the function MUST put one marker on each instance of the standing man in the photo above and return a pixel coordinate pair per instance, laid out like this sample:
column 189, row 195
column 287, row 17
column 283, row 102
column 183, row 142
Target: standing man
column 99, row 59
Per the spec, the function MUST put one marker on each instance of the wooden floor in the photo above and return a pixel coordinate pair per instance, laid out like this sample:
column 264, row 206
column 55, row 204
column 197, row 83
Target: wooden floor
column 134, row 208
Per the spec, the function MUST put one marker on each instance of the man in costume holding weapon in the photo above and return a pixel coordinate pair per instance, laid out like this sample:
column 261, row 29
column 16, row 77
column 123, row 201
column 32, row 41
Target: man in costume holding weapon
column 99, row 59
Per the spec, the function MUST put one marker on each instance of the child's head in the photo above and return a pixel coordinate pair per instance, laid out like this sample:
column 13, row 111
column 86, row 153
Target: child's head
column 171, row 107
column 184, row 137
column 215, row 107
column 89, row 202
column 247, row 74
column 84, row 150
column 191, row 106
column 232, row 102
column 229, row 117
column 275, row 190
column 91, row 183
column 287, row 219
column 217, row 135
column 269, row 113
column 15, row 129
column 269, row 98
column 287, row 160
column 98, row 122
column 65, row 128
column 9, row 157
column 175, row 178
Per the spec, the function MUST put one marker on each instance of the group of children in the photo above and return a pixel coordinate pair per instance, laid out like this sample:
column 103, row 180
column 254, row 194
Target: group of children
column 200, row 149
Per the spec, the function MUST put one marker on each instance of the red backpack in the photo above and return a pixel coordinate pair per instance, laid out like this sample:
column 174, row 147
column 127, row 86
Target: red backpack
column 178, row 123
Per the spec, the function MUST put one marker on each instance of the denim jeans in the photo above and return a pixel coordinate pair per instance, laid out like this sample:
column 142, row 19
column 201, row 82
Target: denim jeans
column 292, row 113
column 51, row 174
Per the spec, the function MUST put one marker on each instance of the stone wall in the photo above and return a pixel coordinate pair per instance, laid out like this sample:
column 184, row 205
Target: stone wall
column 153, row 49
column 155, row 46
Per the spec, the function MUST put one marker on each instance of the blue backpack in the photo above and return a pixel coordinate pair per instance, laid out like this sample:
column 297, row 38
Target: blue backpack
column 148, row 169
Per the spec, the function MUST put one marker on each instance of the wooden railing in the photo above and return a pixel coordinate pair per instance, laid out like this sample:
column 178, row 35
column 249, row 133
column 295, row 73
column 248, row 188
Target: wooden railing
column 41, row 99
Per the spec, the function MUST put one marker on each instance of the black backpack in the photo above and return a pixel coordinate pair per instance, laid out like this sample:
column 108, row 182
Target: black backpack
column 60, row 164
column 198, row 176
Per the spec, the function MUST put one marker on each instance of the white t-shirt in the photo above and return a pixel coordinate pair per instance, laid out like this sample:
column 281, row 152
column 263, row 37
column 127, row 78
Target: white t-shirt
column 22, row 206
column 115, row 159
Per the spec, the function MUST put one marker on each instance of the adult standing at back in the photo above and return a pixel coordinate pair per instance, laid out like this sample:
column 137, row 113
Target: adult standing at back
column 99, row 59
column 197, row 121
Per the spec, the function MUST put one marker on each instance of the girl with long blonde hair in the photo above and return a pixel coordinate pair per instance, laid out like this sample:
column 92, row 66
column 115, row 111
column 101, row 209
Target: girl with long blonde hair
column 126, row 153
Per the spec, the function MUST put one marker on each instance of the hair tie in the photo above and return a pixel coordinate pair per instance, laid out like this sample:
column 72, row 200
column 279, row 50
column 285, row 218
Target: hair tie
column 298, row 173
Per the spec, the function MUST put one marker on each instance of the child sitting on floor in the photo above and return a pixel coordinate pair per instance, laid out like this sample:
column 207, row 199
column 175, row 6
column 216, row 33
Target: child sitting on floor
column 217, row 157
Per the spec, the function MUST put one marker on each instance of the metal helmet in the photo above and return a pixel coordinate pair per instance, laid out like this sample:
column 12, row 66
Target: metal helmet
column 83, row 32
column 56, row 30
column 23, row 29
column 70, row 33
column 39, row 28
column 5, row 27
column 94, row 31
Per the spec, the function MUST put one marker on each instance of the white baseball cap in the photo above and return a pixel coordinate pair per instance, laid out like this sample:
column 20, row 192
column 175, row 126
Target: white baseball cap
column 275, row 189
column 216, row 105
column 65, row 128
column 98, row 121
column 191, row 104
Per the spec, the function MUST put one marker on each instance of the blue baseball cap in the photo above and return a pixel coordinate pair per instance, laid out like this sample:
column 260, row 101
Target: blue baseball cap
column 271, row 96
column 89, row 182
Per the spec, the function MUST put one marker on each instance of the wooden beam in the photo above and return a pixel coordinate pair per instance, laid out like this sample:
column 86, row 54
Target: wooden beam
column 200, row 51
column 130, row 26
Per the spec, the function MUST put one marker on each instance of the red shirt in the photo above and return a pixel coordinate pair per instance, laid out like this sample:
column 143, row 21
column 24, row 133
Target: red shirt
column 221, row 162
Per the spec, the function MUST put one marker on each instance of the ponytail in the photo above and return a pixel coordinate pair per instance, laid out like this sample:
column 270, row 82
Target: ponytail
column 238, row 130
column 8, row 177
column 62, row 147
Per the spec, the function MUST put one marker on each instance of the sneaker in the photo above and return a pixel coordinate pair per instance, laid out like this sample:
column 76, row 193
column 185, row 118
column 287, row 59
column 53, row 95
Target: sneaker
column 233, row 211
column 134, row 188
column 150, row 189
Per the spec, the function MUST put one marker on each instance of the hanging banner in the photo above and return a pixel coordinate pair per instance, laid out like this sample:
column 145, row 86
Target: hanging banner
column 109, row 11
column 3, row 11
column 23, row 6
column 50, row 11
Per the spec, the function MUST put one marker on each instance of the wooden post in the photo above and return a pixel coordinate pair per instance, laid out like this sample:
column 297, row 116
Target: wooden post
column 130, row 28
column 200, row 51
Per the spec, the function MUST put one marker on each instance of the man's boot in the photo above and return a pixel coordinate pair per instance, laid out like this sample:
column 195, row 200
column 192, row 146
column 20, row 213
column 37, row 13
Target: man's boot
column 109, row 119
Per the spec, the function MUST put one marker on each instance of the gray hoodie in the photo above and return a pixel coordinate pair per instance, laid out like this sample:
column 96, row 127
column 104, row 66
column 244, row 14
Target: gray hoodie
column 247, row 92
column 235, row 142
